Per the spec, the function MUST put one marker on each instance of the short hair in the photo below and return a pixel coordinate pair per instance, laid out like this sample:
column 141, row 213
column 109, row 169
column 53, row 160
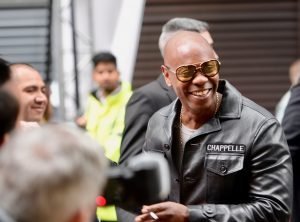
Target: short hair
column 4, row 72
column 9, row 110
column 178, row 24
column 48, row 173
column 106, row 57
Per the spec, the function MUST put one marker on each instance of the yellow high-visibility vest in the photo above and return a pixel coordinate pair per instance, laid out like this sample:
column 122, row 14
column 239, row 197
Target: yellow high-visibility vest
column 105, row 123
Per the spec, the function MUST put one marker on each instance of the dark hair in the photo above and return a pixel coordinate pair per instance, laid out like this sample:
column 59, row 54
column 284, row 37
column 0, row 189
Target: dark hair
column 104, row 57
column 4, row 71
column 9, row 110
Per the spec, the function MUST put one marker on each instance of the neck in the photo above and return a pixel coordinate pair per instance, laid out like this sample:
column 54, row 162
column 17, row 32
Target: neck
column 195, row 121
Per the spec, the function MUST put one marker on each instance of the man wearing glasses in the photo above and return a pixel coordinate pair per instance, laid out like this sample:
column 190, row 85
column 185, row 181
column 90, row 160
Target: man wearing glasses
column 228, row 157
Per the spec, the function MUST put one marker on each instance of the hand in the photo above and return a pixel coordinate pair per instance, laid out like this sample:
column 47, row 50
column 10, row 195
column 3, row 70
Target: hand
column 81, row 121
column 166, row 211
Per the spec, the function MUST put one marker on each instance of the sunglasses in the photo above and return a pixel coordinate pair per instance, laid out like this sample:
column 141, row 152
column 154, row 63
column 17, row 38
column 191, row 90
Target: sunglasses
column 186, row 73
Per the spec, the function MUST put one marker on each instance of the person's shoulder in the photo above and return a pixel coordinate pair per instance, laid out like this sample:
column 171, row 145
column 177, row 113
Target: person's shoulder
column 248, row 107
column 152, row 91
column 152, row 87
column 254, row 110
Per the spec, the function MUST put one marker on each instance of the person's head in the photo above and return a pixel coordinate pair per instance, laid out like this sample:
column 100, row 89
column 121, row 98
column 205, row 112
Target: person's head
column 9, row 110
column 294, row 72
column 182, row 24
column 51, row 174
column 196, row 91
column 31, row 92
column 4, row 72
column 105, row 73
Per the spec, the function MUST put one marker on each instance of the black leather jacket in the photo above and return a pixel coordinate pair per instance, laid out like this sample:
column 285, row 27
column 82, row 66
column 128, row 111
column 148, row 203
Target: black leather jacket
column 237, row 168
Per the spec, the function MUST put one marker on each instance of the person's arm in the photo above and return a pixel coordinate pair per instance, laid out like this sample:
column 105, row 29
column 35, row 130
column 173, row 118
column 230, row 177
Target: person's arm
column 138, row 111
column 269, row 194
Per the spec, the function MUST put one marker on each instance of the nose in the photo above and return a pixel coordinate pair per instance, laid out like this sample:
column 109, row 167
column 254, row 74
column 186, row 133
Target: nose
column 41, row 98
column 199, row 77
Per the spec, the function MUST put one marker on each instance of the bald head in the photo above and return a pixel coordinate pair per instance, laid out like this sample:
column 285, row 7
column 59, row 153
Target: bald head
column 187, row 48
column 20, row 70
column 30, row 89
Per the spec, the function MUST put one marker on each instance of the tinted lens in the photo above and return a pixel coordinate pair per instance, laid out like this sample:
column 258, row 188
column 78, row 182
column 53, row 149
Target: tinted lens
column 210, row 68
column 185, row 73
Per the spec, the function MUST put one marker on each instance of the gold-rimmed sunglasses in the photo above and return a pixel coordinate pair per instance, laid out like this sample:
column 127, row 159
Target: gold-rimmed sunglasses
column 186, row 73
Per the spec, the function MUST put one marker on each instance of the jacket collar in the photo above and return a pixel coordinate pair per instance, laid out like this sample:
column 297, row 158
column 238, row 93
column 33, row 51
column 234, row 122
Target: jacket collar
column 231, row 107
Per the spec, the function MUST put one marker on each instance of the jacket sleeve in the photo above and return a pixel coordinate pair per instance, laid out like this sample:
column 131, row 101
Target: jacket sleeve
column 291, row 120
column 138, row 111
column 269, row 166
column 291, row 127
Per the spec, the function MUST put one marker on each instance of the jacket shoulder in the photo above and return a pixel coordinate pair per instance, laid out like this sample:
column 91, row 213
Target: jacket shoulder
column 256, row 109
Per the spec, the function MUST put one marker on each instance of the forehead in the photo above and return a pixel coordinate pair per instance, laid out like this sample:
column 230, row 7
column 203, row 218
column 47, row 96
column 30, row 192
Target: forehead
column 105, row 65
column 188, row 48
column 28, row 77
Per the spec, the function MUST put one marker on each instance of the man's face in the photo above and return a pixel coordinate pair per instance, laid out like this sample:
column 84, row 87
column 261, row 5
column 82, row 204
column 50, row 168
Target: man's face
column 106, row 76
column 199, row 94
column 31, row 94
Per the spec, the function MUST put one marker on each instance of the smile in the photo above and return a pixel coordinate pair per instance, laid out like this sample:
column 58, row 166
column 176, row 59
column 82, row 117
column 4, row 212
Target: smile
column 200, row 93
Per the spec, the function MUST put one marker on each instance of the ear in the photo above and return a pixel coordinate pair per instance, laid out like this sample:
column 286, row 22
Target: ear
column 165, row 72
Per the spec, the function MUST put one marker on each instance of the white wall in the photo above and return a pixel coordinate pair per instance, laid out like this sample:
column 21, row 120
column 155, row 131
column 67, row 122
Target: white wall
column 100, row 25
column 117, row 27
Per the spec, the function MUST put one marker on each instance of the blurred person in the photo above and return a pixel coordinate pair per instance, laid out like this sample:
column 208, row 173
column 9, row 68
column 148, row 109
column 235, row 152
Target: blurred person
column 228, row 156
column 9, row 106
column 149, row 98
column 291, row 127
column 9, row 110
column 56, row 181
column 294, row 74
column 30, row 90
column 4, row 72
column 105, row 112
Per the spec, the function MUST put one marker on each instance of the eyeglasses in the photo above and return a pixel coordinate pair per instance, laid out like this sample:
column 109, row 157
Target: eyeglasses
column 186, row 73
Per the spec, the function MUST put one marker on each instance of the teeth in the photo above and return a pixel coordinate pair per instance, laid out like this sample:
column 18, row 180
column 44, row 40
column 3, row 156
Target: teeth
column 200, row 93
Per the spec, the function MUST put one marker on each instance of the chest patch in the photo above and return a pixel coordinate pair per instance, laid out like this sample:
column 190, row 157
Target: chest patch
column 225, row 148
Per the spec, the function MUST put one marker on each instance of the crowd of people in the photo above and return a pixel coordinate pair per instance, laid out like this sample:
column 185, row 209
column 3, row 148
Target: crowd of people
column 229, row 158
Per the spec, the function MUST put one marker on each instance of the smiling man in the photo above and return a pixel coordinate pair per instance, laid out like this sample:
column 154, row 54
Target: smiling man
column 250, row 183
column 30, row 89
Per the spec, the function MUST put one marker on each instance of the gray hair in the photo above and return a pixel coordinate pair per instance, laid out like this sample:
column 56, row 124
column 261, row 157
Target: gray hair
column 49, row 173
column 179, row 24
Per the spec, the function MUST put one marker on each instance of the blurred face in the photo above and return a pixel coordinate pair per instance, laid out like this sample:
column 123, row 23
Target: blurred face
column 31, row 94
column 197, row 95
column 106, row 76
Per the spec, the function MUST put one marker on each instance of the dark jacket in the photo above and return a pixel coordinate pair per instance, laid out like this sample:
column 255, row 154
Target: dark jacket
column 236, row 168
column 144, row 101
column 291, row 127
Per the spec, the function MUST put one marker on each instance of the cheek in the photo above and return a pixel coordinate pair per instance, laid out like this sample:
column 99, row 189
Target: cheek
column 97, row 77
column 215, row 81
column 179, row 89
column 27, row 98
column 115, row 77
